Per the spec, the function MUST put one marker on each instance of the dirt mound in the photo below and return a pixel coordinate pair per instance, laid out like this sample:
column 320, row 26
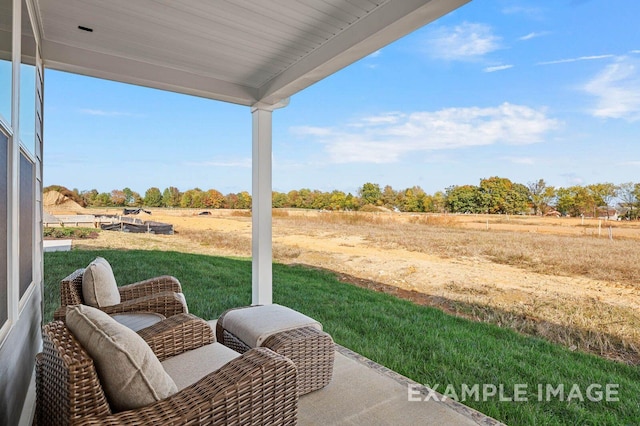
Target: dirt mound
column 55, row 202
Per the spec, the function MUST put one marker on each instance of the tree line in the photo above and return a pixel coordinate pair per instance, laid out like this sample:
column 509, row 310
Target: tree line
column 494, row 195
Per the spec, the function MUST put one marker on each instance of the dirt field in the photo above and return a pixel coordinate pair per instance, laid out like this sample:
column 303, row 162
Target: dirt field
column 562, row 279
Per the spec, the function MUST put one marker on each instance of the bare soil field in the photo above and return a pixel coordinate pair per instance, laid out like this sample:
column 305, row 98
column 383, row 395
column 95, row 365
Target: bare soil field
column 568, row 280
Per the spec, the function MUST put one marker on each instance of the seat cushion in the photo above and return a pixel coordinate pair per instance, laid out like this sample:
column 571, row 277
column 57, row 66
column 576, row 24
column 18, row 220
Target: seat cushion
column 138, row 320
column 99, row 286
column 189, row 367
column 254, row 324
column 130, row 373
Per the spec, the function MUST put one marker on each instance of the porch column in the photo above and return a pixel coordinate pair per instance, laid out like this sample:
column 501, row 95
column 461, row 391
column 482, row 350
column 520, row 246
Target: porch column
column 261, row 208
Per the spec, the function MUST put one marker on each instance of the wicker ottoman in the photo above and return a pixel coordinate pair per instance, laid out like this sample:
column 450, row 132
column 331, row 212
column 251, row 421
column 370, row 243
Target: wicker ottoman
column 286, row 332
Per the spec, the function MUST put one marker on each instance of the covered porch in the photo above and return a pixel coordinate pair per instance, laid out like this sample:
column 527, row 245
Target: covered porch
column 256, row 54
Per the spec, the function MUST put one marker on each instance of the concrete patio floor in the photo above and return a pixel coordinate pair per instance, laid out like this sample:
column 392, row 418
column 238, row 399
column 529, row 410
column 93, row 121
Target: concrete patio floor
column 363, row 392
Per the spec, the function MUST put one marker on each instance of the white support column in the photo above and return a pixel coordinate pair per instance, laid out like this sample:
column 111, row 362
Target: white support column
column 261, row 244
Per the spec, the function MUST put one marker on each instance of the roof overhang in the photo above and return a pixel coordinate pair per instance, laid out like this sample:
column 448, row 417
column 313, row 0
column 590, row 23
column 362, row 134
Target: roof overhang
column 240, row 51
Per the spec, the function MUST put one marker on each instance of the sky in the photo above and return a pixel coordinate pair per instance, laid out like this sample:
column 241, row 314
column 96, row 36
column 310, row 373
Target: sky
column 522, row 89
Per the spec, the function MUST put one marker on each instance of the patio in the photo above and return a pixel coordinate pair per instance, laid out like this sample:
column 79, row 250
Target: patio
column 363, row 392
column 256, row 54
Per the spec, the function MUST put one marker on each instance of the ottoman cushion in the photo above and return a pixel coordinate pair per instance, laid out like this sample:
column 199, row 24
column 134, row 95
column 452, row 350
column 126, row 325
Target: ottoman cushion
column 256, row 324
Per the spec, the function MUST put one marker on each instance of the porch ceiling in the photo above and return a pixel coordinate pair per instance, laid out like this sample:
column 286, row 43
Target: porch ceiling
column 240, row 51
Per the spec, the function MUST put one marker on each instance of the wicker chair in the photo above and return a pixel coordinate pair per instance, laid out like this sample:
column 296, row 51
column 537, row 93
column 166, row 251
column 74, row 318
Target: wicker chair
column 257, row 388
column 162, row 295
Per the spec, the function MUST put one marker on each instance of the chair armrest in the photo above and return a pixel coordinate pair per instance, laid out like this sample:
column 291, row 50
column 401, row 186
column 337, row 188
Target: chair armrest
column 151, row 286
column 60, row 314
column 178, row 334
column 71, row 288
column 255, row 389
column 166, row 303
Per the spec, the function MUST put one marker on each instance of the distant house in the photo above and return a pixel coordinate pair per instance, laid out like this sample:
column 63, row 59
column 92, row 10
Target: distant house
column 608, row 213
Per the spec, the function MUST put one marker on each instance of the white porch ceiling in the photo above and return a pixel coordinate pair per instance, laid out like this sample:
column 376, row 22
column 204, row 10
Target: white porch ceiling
column 240, row 51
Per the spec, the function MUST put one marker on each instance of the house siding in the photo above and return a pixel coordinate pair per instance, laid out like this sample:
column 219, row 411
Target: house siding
column 17, row 358
column 21, row 256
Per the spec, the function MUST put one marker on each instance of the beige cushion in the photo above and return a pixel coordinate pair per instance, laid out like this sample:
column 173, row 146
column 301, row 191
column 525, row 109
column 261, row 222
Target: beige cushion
column 138, row 320
column 99, row 286
column 189, row 367
column 130, row 373
column 253, row 325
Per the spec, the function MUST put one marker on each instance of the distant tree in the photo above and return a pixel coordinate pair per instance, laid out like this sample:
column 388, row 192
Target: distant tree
column 212, row 199
column 370, row 193
column 231, row 201
column 628, row 193
column 428, row 205
column 278, row 199
column 321, row 200
column 439, row 202
column 413, row 200
column 153, row 197
column 338, row 200
column 389, row 197
column 171, row 197
column 305, row 199
column 244, row 200
column 575, row 201
column 192, row 199
column 118, row 198
column 517, row 199
column 103, row 199
column 540, row 195
column 292, row 198
column 603, row 194
column 136, row 199
column 89, row 197
column 351, row 202
column 464, row 199
column 128, row 196
column 241, row 200
column 494, row 193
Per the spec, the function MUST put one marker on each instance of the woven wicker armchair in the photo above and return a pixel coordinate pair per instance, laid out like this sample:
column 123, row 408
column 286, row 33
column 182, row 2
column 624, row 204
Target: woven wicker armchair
column 257, row 388
column 161, row 294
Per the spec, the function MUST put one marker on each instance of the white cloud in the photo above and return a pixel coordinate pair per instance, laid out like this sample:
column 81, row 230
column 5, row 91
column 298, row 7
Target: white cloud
column 617, row 89
column 635, row 51
column 534, row 34
column 382, row 119
column 581, row 58
column 380, row 140
column 375, row 54
column 462, row 42
column 497, row 68
column 631, row 163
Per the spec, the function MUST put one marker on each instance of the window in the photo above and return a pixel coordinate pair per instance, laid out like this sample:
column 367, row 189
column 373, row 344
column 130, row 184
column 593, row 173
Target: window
column 27, row 85
column 27, row 199
column 4, row 153
column 6, row 21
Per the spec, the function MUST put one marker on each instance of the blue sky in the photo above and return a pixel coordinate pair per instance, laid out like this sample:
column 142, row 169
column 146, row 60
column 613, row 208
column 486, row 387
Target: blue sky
column 521, row 89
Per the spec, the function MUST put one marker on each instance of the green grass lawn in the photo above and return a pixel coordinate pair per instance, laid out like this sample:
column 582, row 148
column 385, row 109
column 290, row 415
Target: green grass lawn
column 419, row 342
